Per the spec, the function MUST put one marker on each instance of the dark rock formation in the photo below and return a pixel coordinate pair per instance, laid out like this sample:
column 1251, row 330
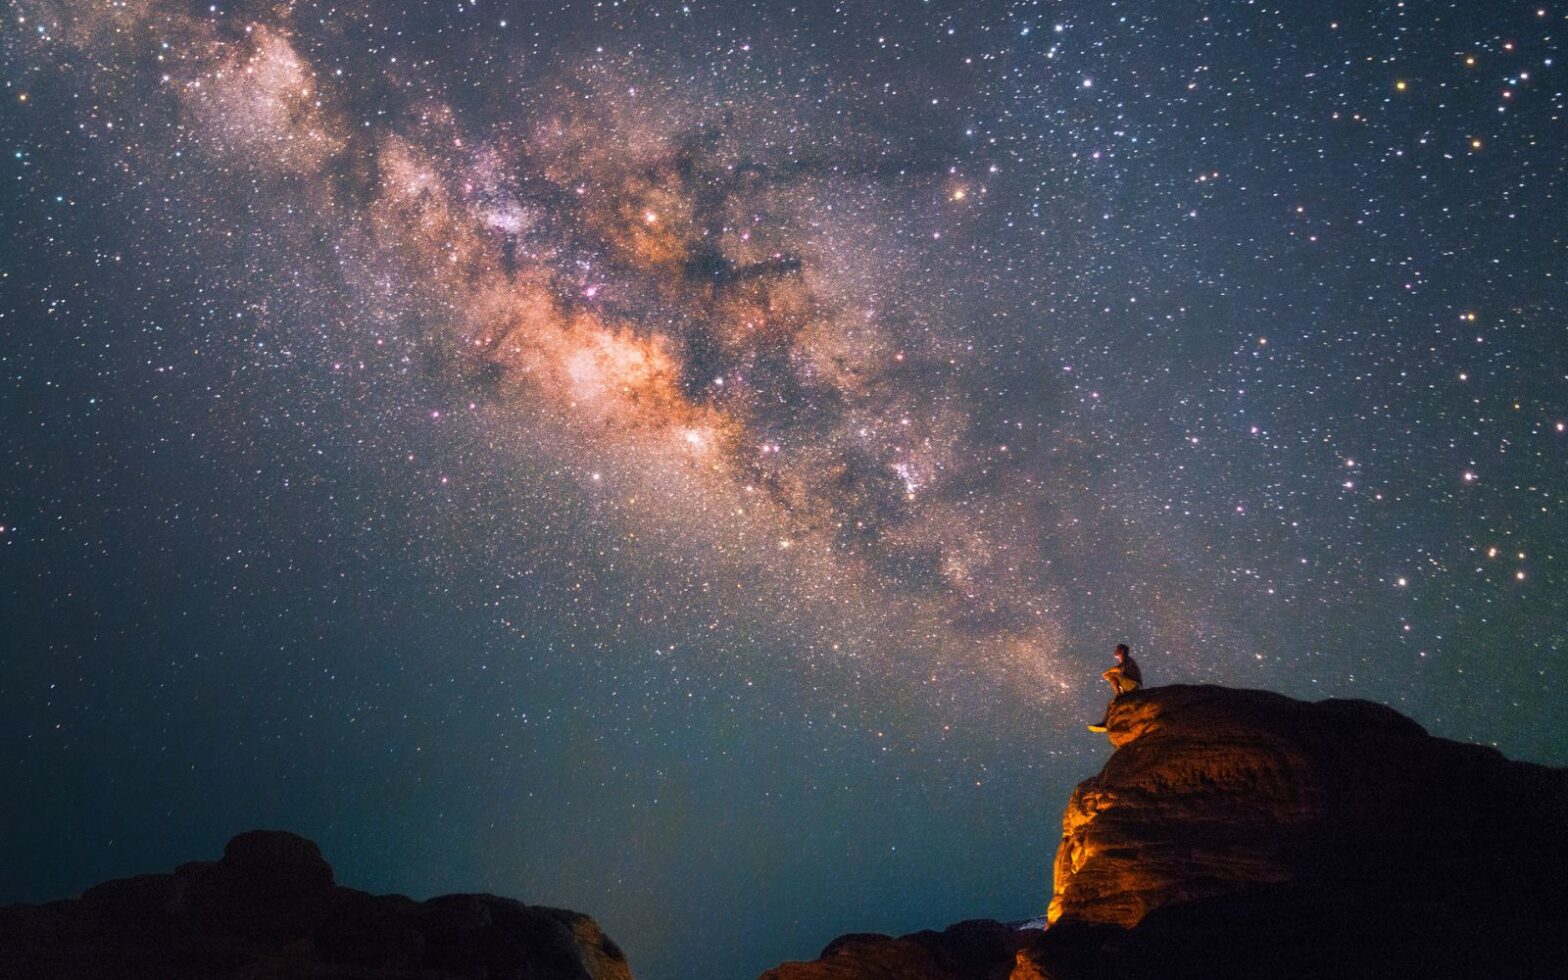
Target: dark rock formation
column 980, row 949
column 1242, row 833
column 269, row 909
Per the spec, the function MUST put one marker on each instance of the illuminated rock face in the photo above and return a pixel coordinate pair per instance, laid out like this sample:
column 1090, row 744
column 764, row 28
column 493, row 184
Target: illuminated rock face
column 1212, row 790
column 270, row 909
column 1234, row 831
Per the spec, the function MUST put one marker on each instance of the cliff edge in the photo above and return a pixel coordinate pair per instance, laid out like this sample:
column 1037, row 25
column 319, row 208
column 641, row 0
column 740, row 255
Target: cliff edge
column 1234, row 831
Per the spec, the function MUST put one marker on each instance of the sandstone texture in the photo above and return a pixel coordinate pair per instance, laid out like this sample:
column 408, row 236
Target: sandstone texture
column 1237, row 833
column 270, row 909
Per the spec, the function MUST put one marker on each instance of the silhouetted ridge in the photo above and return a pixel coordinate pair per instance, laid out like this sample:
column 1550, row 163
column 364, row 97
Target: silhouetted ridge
column 270, row 909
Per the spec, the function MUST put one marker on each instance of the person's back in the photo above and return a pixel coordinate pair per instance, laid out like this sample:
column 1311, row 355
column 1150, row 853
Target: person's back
column 1130, row 672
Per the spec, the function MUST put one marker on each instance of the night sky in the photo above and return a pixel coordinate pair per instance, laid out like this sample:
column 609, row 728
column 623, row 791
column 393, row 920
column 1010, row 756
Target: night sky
column 690, row 462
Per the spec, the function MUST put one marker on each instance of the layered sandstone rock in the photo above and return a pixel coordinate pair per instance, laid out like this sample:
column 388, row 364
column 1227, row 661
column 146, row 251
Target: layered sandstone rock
column 1213, row 790
column 270, row 909
column 1238, row 831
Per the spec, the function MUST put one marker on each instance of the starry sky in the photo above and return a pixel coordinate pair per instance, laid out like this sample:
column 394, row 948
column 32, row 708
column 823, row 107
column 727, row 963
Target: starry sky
column 690, row 462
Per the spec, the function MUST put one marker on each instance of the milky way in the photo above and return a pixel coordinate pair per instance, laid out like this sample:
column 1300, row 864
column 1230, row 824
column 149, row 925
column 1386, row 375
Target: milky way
column 675, row 454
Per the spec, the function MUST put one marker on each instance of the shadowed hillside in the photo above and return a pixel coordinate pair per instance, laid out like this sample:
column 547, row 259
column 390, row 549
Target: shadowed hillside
column 270, row 909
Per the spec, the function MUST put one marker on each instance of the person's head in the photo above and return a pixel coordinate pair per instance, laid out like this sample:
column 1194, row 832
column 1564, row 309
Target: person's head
column 1122, row 651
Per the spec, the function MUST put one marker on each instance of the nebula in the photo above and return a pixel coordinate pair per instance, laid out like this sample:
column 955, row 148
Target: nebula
column 663, row 294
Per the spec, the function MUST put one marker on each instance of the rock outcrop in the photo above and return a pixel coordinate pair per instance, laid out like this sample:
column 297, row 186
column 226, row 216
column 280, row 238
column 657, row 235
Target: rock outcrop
column 1244, row 834
column 1240, row 832
column 270, row 909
